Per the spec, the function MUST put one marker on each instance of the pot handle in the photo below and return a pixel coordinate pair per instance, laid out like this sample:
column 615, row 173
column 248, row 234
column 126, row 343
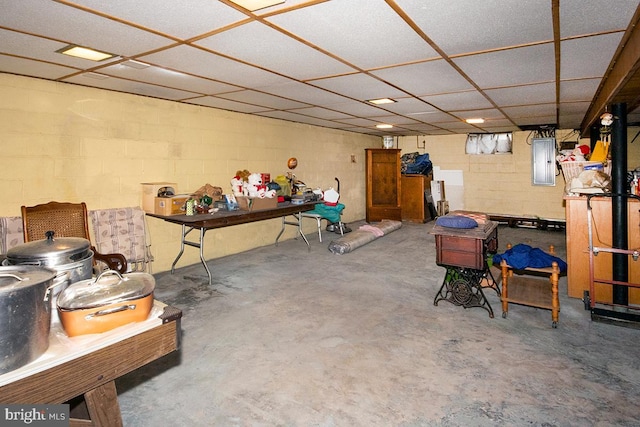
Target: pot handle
column 106, row 272
column 15, row 276
column 60, row 279
column 111, row 311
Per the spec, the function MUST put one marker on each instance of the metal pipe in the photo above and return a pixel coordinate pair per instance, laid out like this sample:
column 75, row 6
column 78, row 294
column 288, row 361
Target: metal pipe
column 620, row 238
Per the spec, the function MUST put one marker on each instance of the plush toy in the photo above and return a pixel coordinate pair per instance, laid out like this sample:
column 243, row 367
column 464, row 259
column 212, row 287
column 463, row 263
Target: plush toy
column 255, row 188
column 578, row 154
column 237, row 186
column 243, row 175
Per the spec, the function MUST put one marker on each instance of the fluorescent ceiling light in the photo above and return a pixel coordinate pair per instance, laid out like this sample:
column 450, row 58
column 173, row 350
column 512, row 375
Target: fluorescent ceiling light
column 474, row 121
column 384, row 126
column 253, row 5
column 85, row 53
column 380, row 101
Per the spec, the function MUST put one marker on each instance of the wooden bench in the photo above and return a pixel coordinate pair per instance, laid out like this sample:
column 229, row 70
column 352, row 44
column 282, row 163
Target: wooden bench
column 533, row 287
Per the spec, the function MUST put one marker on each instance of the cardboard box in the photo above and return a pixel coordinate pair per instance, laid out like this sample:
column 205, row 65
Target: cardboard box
column 150, row 192
column 256, row 204
column 170, row 205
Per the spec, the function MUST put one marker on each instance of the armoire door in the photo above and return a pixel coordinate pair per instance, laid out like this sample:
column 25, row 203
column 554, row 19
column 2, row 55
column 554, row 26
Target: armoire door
column 383, row 185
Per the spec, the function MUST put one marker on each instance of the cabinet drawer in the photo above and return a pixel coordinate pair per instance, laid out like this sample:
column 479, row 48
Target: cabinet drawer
column 463, row 244
column 461, row 259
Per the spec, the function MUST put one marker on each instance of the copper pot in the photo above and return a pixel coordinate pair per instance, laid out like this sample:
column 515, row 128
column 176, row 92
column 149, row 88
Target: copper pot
column 107, row 302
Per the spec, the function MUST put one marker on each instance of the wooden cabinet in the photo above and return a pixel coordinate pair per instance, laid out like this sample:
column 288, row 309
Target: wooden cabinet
column 578, row 247
column 414, row 199
column 383, row 184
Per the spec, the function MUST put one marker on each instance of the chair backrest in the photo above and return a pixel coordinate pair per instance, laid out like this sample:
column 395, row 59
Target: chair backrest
column 65, row 219
column 11, row 234
column 123, row 230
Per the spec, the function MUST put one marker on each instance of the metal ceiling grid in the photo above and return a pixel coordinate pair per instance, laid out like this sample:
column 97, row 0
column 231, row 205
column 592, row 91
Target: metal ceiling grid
column 319, row 61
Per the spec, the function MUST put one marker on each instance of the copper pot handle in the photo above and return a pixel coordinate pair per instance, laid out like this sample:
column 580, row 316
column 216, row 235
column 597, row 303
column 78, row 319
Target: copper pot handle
column 110, row 311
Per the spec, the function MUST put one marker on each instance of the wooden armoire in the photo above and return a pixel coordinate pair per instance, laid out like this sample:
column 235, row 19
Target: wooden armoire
column 383, row 184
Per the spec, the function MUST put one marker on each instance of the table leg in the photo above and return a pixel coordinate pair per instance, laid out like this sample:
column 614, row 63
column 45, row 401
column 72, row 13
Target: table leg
column 298, row 223
column 182, row 239
column 199, row 245
column 462, row 286
column 102, row 404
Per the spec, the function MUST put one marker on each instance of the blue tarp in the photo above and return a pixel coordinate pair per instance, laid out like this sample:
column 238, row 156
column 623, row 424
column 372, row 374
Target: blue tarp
column 523, row 256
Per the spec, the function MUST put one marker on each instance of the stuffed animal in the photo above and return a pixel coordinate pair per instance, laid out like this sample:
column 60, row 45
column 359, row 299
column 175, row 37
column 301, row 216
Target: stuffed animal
column 255, row 188
column 237, row 186
column 578, row 154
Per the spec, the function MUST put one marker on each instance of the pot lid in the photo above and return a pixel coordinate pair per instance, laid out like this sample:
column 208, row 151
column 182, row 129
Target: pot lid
column 14, row 277
column 71, row 248
column 110, row 287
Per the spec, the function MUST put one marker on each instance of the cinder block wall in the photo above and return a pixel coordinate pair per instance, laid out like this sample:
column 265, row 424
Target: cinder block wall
column 71, row 143
column 501, row 183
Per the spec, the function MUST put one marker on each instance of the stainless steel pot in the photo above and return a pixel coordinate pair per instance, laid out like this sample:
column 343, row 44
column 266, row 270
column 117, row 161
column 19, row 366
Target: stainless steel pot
column 25, row 314
column 72, row 255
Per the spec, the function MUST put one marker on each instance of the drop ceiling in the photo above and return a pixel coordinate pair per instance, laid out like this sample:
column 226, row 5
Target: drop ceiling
column 517, row 64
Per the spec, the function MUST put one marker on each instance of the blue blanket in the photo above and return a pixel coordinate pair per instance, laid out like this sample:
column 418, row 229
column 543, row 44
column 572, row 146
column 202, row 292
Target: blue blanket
column 523, row 256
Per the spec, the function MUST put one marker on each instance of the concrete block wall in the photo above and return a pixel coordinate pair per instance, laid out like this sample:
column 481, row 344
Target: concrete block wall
column 501, row 183
column 66, row 142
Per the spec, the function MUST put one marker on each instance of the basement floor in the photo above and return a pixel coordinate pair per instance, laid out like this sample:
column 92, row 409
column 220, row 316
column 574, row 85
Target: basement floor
column 290, row 337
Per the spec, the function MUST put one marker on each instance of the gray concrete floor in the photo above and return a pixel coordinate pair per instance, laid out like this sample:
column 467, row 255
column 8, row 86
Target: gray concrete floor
column 290, row 337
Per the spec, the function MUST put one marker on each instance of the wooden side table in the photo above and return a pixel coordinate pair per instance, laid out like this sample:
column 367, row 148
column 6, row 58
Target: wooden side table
column 533, row 287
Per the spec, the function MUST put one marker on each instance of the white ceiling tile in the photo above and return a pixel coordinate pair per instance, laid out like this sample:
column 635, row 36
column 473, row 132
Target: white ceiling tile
column 304, row 93
column 426, row 78
column 169, row 78
column 466, row 26
column 262, row 99
column 587, row 56
column 358, row 86
column 580, row 17
column 139, row 88
column 530, row 110
column 360, row 122
column 78, row 27
column 357, row 31
column 459, row 100
column 225, row 104
column 409, row 106
column 180, row 18
column 263, row 46
column 293, row 117
column 27, row 67
column 321, row 113
column 43, row 49
column 367, row 33
column 432, row 117
column 536, row 120
column 532, row 64
column 490, row 113
column 395, row 120
column 522, row 95
column 578, row 90
column 198, row 62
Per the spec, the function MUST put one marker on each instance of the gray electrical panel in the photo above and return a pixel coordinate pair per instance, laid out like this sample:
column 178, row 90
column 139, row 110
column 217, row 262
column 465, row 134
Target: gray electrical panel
column 543, row 161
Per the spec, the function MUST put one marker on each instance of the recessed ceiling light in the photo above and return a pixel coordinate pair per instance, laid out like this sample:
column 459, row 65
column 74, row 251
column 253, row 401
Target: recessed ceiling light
column 381, row 101
column 474, row 121
column 253, row 5
column 85, row 53
column 384, row 126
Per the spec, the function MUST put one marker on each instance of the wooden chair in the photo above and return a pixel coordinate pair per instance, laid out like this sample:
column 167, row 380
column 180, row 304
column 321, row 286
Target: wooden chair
column 65, row 220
